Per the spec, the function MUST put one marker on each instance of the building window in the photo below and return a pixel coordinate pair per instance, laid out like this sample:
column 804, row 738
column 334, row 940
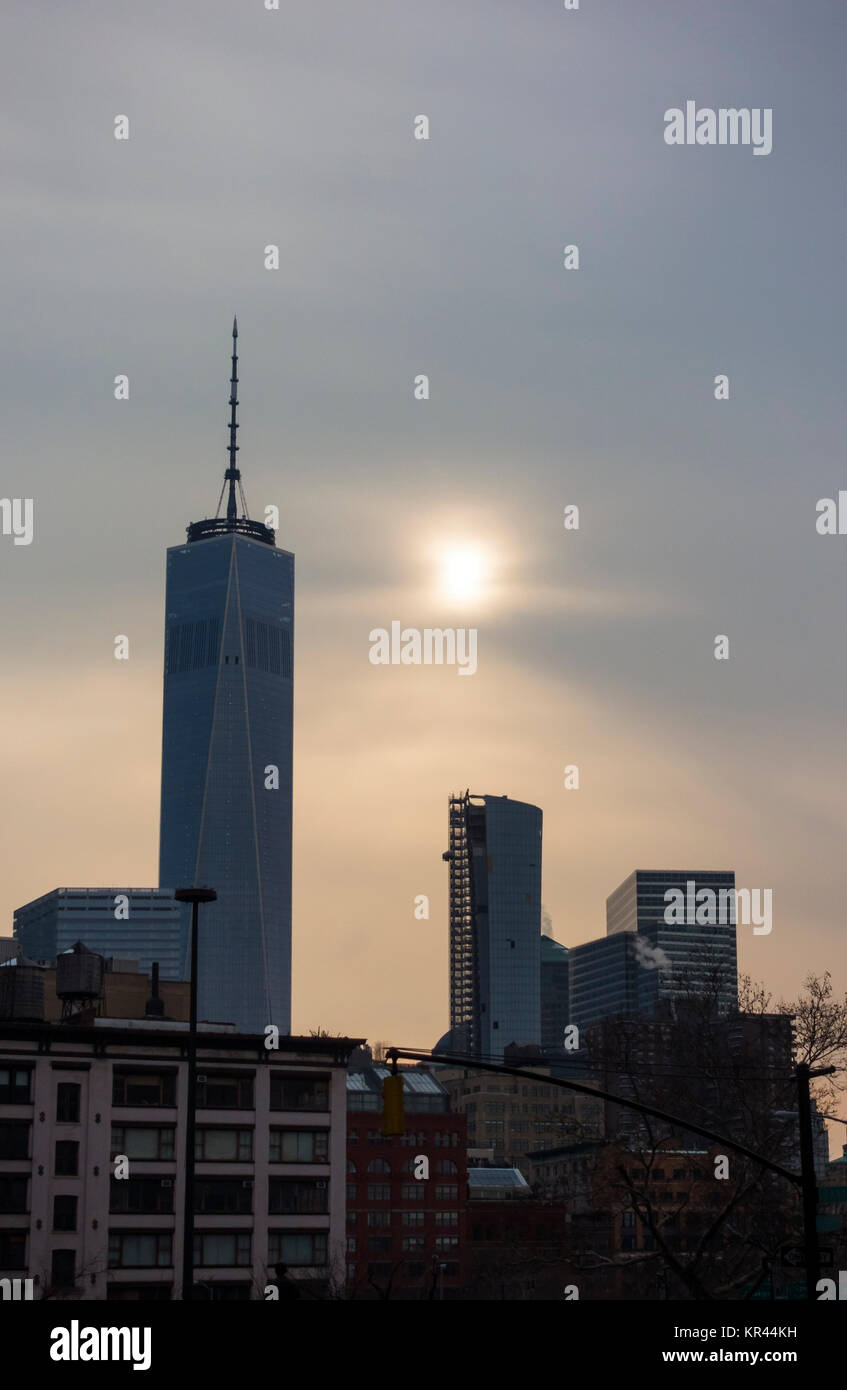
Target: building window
column 141, row 1196
column 64, row 1213
column 13, row 1193
column 67, row 1103
column 299, row 1092
column 413, row 1192
column 446, row 1218
column 138, row 1293
column 351, row 1167
column 379, row 1244
column 15, row 1086
column 446, row 1166
column 447, row 1192
column 228, row 1293
column 351, row 1192
column 351, row 1270
column 446, row 1242
column 351, row 1218
column 151, row 1142
column 628, row 1218
column 12, row 1250
column 218, row 1091
column 297, row 1247
column 224, row 1145
column 352, row 1137
column 379, row 1165
column 14, row 1139
column 224, row 1196
column 414, row 1243
column 351, row 1245
column 62, row 1268
column 362, row 1100
column 415, row 1268
column 379, row 1192
column 221, row 1249
column 140, row 1249
column 298, row 1197
column 143, row 1088
column 66, row 1159
column 413, row 1218
column 299, row 1145
column 379, row 1218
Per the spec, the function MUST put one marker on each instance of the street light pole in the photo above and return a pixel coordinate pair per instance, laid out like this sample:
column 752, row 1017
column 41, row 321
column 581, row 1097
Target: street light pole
column 195, row 896
column 810, row 1182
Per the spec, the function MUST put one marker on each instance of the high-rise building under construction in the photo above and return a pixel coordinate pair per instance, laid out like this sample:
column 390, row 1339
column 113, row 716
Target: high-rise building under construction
column 494, row 860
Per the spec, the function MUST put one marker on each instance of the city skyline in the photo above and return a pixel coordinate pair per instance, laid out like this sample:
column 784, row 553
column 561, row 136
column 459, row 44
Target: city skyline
column 548, row 388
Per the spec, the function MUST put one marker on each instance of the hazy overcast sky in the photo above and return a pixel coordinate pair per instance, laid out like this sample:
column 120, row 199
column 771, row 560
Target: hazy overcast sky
column 548, row 387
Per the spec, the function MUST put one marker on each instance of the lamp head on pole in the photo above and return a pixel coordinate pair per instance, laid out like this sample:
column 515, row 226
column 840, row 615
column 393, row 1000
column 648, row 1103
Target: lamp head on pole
column 195, row 895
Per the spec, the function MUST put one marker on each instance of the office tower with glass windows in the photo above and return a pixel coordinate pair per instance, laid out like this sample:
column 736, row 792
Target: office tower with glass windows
column 227, row 752
column 603, row 980
column 141, row 924
column 494, row 860
column 693, row 956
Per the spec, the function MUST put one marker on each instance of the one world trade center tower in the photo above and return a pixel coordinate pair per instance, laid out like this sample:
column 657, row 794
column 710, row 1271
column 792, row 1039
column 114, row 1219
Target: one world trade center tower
column 227, row 751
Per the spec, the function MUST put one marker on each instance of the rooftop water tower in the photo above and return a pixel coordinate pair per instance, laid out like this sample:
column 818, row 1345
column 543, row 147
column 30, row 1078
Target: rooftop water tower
column 79, row 979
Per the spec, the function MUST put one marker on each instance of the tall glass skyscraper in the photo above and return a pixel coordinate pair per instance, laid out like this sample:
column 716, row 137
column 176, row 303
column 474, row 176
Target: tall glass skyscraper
column 678, row 959
column 495, row 923
column 227, row 753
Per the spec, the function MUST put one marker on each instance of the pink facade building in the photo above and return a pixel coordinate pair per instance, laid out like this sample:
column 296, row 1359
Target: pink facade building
column 92, row 1148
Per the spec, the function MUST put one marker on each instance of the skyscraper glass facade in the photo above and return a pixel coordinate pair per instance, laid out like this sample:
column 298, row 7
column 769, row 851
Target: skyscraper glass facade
column 141, row 924
column 603, row 980
column 495, row 922
column 227, row 767
column 555, row 992
column 678, row 958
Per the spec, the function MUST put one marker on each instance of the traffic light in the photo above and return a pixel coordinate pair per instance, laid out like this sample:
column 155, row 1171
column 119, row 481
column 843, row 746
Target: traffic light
column 393, row 1118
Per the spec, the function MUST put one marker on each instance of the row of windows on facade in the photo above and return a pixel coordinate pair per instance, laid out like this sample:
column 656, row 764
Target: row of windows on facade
column 381, row 1165
column 422, row 1105
column 154, row 1250
column 524, row 1127
column 442, row 1138
column 145, row 1196
column 194, row 645
column 154, row 1143
column 406, row 1218
column 420, row 1243
column 658, row 1174
column 411, row 1192
column 515, row 1090
column 215, row 1091
column 498, row 1107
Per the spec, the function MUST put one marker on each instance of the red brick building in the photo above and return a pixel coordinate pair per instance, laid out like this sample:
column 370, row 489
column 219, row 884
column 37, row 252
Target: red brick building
column 406, row 1235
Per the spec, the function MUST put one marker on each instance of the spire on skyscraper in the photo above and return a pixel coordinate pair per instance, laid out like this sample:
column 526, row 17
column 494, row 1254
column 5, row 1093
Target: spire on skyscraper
column 232, row 475
column 220, row 525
